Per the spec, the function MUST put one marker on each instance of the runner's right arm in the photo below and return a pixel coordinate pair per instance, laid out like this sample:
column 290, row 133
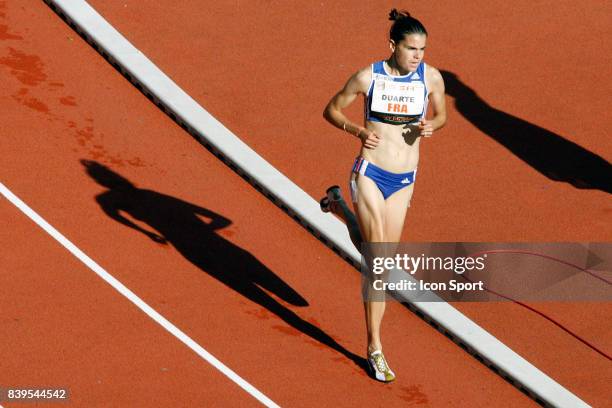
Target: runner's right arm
column 357, row 84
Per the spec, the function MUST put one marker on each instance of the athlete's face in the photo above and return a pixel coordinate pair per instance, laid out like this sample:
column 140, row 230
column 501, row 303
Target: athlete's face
column 409, row 52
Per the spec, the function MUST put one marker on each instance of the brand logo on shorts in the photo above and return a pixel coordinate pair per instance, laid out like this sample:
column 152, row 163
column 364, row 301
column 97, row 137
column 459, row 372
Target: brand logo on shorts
column 405, row 181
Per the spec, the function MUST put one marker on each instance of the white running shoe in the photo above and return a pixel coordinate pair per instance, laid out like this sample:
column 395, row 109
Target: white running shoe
column 379, row 367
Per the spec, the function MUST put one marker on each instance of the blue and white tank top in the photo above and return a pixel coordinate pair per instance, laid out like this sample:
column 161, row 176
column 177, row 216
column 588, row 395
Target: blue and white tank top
column 396, row 99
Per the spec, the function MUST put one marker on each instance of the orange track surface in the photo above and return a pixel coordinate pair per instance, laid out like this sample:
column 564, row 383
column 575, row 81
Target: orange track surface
column 266, row 73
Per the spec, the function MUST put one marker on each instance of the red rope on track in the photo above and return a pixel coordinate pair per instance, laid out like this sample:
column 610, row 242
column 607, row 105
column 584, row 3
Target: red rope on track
column 550, row 319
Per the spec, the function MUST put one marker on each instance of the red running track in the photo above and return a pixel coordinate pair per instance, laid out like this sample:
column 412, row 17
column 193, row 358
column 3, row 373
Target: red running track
column 64, row 103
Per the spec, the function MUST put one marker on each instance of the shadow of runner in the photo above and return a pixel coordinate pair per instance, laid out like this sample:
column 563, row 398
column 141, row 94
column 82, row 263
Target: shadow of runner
column 177, row 223
column 552, row 155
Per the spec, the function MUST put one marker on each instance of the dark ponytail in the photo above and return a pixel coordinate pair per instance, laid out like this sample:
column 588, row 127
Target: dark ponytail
column 404, row 24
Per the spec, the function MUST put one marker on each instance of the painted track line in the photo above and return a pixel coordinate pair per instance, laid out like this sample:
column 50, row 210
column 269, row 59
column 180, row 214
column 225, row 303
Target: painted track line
column 235, row 153
column 132, row 297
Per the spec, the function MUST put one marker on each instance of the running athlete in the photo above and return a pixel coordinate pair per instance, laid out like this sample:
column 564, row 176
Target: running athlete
column 397, row 93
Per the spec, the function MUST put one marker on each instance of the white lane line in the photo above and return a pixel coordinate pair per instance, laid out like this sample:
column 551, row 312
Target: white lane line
column 162, row 321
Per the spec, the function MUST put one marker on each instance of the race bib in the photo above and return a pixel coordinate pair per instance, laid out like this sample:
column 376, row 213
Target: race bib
column 398, row 98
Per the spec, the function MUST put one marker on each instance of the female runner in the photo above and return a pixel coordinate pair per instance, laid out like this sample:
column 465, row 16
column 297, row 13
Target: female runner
column 397, row 92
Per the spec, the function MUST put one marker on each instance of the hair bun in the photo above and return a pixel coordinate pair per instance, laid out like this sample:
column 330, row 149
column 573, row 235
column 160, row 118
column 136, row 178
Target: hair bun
column 396, row 15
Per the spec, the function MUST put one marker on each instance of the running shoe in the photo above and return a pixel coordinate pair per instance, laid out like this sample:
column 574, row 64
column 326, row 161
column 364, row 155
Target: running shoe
column 324, row 203
column 379, row 367
column 332, row 194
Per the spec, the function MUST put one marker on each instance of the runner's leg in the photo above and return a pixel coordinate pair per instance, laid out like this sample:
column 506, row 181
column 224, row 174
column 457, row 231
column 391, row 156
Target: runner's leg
column 369, row 208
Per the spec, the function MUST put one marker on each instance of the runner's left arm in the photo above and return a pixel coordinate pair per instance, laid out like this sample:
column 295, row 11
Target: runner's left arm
column 437, row 103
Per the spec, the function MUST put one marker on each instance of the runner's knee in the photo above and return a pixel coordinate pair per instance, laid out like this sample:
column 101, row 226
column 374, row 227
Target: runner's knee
column 377, row 232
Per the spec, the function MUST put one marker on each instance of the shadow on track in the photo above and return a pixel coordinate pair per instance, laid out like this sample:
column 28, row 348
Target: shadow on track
column 552, row 155
column 178, row 222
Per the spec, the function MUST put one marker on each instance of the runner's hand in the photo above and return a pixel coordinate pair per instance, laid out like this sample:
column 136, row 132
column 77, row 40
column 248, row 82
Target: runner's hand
column 425, row 128
column 369, row 139
column 157, row 238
